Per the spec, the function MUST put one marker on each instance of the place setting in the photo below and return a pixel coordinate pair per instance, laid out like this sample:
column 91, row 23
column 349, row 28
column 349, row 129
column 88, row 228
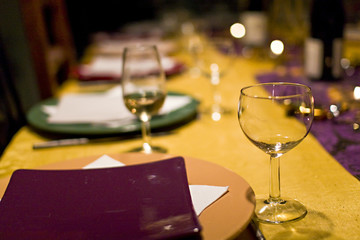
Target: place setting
column 107, row 115
column 105, row 69
column 139, row 99
column 182, row 198
column 101, row 63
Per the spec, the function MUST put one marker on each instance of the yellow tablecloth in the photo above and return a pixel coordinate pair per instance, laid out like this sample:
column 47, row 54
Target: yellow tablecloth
column 308, row 172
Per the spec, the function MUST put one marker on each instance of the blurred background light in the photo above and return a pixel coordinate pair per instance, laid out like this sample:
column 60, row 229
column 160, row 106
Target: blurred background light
column 237, row 30
column 216, row 116
column 357, row 93
column 277, row 47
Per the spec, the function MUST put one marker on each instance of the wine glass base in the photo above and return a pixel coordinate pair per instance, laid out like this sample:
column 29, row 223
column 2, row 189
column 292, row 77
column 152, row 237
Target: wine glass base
column 216, row 112
column 146, row 148
column 281, row 211
column 218, row 109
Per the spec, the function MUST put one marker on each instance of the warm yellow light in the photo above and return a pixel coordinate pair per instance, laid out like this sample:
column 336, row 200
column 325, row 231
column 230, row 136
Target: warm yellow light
column 277, row 47
column 237, row 30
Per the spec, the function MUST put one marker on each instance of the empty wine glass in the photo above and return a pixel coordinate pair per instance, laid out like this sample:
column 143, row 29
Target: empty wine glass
column 213, row 57
column 276, row 117
column 143, row 86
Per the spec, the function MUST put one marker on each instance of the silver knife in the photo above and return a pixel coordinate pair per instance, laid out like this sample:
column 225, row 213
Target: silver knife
column 61, row 142
column 83, row 140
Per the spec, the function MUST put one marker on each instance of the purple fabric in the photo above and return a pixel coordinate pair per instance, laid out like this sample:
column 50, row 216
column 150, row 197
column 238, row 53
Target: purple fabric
column 336, row 135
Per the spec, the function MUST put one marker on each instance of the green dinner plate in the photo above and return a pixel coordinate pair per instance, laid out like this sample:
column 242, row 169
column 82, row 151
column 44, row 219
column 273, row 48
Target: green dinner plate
column 38, row 120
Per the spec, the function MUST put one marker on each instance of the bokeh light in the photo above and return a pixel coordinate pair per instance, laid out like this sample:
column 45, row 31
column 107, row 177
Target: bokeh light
column 277, row 47
column 237, row 30
column 216, row 116
column 357, row 93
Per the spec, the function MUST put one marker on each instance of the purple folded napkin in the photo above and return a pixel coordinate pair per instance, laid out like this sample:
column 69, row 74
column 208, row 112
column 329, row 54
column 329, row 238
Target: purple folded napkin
column 145, row 201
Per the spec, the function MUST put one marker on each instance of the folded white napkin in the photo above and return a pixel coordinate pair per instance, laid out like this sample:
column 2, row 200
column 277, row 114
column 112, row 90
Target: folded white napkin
column 101, row 107
column 110, row 66
column 202, row 196
column 104, row 162
column 116, row 46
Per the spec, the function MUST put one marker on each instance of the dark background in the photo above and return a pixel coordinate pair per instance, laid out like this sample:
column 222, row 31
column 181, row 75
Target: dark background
column 88, row 17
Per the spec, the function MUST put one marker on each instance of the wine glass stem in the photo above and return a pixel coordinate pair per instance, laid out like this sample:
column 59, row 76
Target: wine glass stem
column 146, row 133
column 215, row 81
column 217, row 97
column 274, row 195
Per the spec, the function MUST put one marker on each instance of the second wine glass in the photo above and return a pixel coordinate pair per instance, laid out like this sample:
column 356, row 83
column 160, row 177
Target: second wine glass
column 144, row 89
column 276, row 117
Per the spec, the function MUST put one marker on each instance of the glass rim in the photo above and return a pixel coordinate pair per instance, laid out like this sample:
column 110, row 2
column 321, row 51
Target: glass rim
column 140, row 46
column 242, row 91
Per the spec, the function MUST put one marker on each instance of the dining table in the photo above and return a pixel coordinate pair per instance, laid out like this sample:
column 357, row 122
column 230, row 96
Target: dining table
column 309, row 172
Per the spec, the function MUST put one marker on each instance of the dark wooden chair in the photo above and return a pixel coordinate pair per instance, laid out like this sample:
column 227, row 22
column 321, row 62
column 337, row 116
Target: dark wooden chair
column 11, row 112
column 49, row 37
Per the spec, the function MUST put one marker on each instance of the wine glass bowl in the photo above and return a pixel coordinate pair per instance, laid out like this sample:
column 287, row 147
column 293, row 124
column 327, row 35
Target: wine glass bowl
column 276, row 117
column 144, row 88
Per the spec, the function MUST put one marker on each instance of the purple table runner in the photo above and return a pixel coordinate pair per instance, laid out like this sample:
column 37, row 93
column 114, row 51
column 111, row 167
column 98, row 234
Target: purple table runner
column 337, row 134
